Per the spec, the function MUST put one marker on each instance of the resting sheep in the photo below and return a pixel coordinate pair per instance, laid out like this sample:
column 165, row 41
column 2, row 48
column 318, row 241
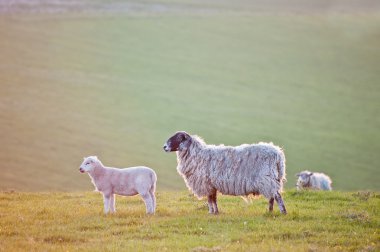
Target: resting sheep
column 242, row 170
column 313, row 180
column 127, row 182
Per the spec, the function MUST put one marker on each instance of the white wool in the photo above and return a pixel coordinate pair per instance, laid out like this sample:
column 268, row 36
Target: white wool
column 127, row 182
column 241, row 170
column 313, row 180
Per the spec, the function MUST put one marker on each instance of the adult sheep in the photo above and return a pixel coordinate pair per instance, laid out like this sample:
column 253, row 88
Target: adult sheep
column 241, row 170
column 127, row 182
column 313, row 180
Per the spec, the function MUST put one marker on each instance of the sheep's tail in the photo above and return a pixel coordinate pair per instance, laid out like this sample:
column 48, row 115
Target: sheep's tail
column 281, row 167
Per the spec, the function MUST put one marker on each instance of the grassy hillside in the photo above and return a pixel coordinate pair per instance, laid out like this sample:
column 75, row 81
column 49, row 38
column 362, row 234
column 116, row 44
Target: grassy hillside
column 317, row 221
column 117, row 79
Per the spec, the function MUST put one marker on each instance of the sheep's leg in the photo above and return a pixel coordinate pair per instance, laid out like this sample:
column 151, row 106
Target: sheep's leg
column 216, row 211
column 280, row 203
column 210, row 204
column 106, row 199
column 271, row 201
column 148, row 202
column 112, row 203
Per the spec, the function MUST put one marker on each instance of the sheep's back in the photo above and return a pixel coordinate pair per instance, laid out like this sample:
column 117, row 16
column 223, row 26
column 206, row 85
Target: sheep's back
column 321, row 181
column 247, row 169
column 237, row 170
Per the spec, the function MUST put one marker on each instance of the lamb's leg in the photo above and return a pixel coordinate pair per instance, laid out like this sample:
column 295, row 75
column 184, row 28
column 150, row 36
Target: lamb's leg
column 271, row 201
column 112, row 203
column 148, row 202
column 280, row 203
column 152, row 194
column 106, row 200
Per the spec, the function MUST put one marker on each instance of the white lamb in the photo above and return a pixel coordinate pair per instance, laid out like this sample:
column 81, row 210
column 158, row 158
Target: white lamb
column 127, row 182
column 313, row 180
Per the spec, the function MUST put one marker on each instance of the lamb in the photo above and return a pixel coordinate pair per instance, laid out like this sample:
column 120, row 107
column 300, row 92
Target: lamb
column 313, row 180
column 242, row 170
column 127, row 182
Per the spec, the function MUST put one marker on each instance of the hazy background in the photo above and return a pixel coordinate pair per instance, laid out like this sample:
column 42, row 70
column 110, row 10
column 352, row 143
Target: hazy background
column 117, row 78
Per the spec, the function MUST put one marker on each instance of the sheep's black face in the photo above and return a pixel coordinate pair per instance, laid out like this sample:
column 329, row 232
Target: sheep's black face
column 178, row 142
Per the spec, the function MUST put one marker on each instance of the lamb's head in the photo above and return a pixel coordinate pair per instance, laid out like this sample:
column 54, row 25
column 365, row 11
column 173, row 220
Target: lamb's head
column 89, row 164
column 304, row 179
column 180, row 141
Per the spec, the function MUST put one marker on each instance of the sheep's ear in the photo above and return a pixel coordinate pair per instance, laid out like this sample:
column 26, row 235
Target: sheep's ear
column 298, row 174
column 185, row 135
column 311, row 173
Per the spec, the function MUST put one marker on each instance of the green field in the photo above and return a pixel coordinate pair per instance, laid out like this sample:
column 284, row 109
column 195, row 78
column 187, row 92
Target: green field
column 316, row 221
column 117, row 78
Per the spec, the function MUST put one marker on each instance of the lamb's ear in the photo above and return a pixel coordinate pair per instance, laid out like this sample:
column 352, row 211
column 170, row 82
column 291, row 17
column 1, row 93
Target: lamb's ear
column 93, row 159
column 311, row 173
column 298, row 174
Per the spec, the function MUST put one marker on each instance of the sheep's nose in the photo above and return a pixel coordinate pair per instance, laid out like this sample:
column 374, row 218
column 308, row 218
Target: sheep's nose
column 165, row 147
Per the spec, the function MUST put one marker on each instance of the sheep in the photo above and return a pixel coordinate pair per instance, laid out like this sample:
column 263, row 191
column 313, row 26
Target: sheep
column 127, row 182
column 313, row 180
column 242, row 170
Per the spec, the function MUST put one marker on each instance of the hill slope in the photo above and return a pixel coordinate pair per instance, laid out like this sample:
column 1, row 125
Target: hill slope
column 117, row 79
column 317, row 221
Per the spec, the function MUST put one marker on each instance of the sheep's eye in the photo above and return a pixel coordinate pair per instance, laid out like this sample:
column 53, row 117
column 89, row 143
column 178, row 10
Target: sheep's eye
column 87, row 163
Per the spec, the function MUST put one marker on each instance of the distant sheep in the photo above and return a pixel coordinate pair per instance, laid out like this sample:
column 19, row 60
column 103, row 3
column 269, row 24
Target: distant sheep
column 127, row 182
column 313, row 180
column 241, row 170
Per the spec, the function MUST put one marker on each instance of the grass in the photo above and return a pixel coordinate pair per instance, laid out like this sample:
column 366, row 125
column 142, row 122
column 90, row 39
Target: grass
column 316, row 221
column 117, row 83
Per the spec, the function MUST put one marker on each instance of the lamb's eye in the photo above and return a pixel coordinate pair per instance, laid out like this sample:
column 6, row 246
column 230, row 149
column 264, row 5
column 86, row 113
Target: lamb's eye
column 87, row 163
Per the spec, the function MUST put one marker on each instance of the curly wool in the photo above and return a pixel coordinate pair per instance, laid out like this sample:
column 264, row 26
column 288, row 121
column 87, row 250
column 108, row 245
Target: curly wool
column 318, row 181
column 241, row 170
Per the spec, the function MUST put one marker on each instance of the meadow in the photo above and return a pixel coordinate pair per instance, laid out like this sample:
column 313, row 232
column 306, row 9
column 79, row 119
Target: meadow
column 117, row 79
column 316, row 221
